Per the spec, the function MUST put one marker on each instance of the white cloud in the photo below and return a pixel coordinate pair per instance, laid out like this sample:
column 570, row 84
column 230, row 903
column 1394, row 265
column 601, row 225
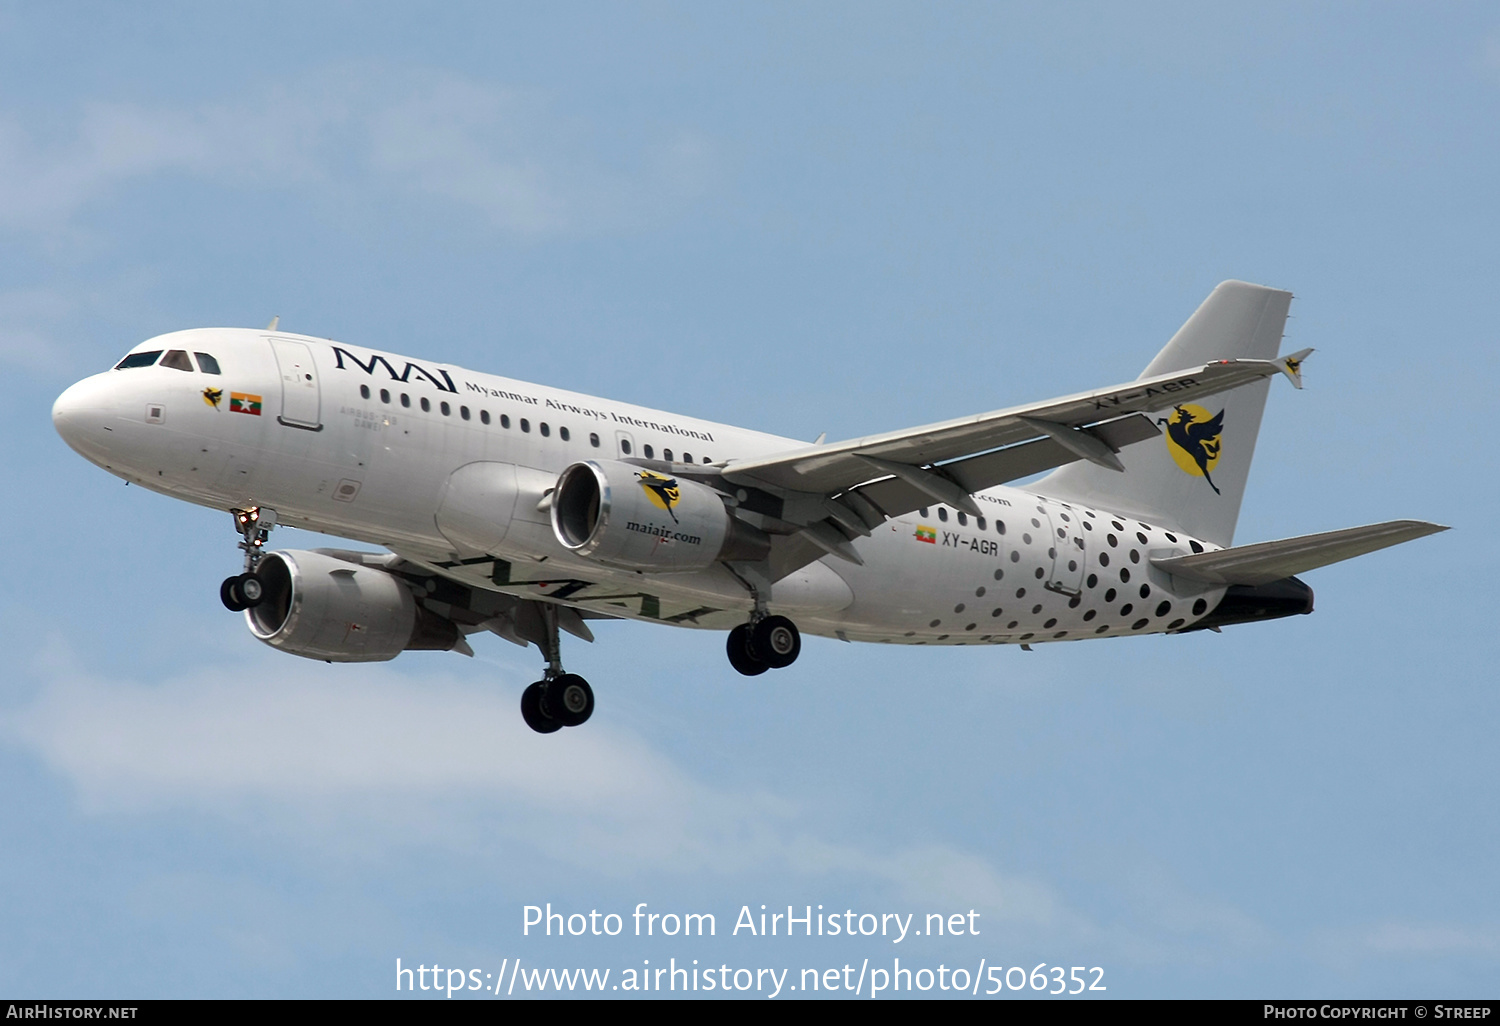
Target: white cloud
column 385, row 760
column 1427, row 940
column 503, row 153
column 359, row 764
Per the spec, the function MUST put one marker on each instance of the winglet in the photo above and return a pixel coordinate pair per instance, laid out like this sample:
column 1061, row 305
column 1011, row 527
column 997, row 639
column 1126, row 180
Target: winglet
column 274, row 322
column 1291, row 366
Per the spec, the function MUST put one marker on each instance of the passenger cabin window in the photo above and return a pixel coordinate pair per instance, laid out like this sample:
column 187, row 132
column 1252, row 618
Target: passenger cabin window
column 666, row 454
column 445, row 409
column 562, row 433
column 138, row 360
column 426, row 405
column 177, row 359
column 207, row 364
column 650, row 453
column 594, row 439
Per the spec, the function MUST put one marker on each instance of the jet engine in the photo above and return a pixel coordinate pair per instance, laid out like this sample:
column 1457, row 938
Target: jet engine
column 636, row 519
column 321, row 607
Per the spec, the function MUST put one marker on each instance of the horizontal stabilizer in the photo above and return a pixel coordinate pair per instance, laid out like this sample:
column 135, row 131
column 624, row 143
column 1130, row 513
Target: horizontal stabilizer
column 1265, row 562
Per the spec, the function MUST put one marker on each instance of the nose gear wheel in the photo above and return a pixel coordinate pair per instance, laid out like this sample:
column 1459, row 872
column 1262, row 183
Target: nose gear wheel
column 242, row 592
column 246, row 590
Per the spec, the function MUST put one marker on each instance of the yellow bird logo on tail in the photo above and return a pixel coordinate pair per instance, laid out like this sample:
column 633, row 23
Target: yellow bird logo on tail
column 1195, row 440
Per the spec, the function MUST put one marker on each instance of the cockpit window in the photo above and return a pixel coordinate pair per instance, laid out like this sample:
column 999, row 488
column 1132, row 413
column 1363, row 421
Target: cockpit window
column 138, row 360
column 207, row 364
column 177, row 360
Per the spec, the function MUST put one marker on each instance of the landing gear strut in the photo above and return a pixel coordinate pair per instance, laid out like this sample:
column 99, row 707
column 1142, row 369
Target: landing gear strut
column 559, row 699
column 246, row 590
column 767, row 642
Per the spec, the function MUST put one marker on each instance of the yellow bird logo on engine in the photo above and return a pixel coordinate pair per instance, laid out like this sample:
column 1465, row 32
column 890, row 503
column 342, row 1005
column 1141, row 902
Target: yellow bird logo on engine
column 663, row 492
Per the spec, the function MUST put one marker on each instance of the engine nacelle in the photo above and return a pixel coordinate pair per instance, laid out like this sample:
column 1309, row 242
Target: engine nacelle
column 635, row 519
column 322, row 607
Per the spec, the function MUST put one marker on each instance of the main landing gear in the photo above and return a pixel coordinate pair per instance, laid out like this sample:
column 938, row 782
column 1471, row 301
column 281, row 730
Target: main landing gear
column 246, row 590
column 766, row 643
column 559, row 699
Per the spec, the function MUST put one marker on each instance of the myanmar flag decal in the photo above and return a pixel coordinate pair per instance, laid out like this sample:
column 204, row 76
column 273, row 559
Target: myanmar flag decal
column 244, row 402
column 926, row 534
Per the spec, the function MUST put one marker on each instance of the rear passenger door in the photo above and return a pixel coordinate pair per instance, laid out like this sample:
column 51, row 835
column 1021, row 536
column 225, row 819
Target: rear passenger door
column 1069, row 552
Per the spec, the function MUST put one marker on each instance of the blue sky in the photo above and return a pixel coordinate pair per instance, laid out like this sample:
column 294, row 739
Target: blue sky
column 841, row 218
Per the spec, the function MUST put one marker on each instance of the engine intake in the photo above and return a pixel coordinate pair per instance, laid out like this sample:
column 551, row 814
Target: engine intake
column 636, row 519
column 321, row 607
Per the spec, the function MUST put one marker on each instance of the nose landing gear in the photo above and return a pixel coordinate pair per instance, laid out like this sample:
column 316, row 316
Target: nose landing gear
column 246, row 590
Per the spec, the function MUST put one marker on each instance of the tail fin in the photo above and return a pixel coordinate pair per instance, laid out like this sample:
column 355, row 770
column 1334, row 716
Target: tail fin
column 1193, row 477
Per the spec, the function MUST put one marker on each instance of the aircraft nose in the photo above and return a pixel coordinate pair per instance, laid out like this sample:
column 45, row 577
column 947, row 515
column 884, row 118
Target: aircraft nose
column 79, row 413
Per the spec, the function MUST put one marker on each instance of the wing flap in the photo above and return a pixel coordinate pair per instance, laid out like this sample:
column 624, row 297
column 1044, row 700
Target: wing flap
column 1269, row 561
column 895, row 496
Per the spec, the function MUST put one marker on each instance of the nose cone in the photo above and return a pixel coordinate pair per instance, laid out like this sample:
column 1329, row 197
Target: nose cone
column 80, row 415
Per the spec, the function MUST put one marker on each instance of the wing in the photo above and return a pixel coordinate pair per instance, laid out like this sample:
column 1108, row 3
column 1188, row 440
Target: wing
column 826, row 494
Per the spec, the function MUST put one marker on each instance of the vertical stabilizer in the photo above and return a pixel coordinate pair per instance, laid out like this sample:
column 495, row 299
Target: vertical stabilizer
column 1193, row 476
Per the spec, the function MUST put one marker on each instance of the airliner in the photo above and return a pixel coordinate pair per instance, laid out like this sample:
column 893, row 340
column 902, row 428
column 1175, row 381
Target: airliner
column 526, row 511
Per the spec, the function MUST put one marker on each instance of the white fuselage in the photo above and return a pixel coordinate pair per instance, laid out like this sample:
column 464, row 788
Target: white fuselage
column 358, row 443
